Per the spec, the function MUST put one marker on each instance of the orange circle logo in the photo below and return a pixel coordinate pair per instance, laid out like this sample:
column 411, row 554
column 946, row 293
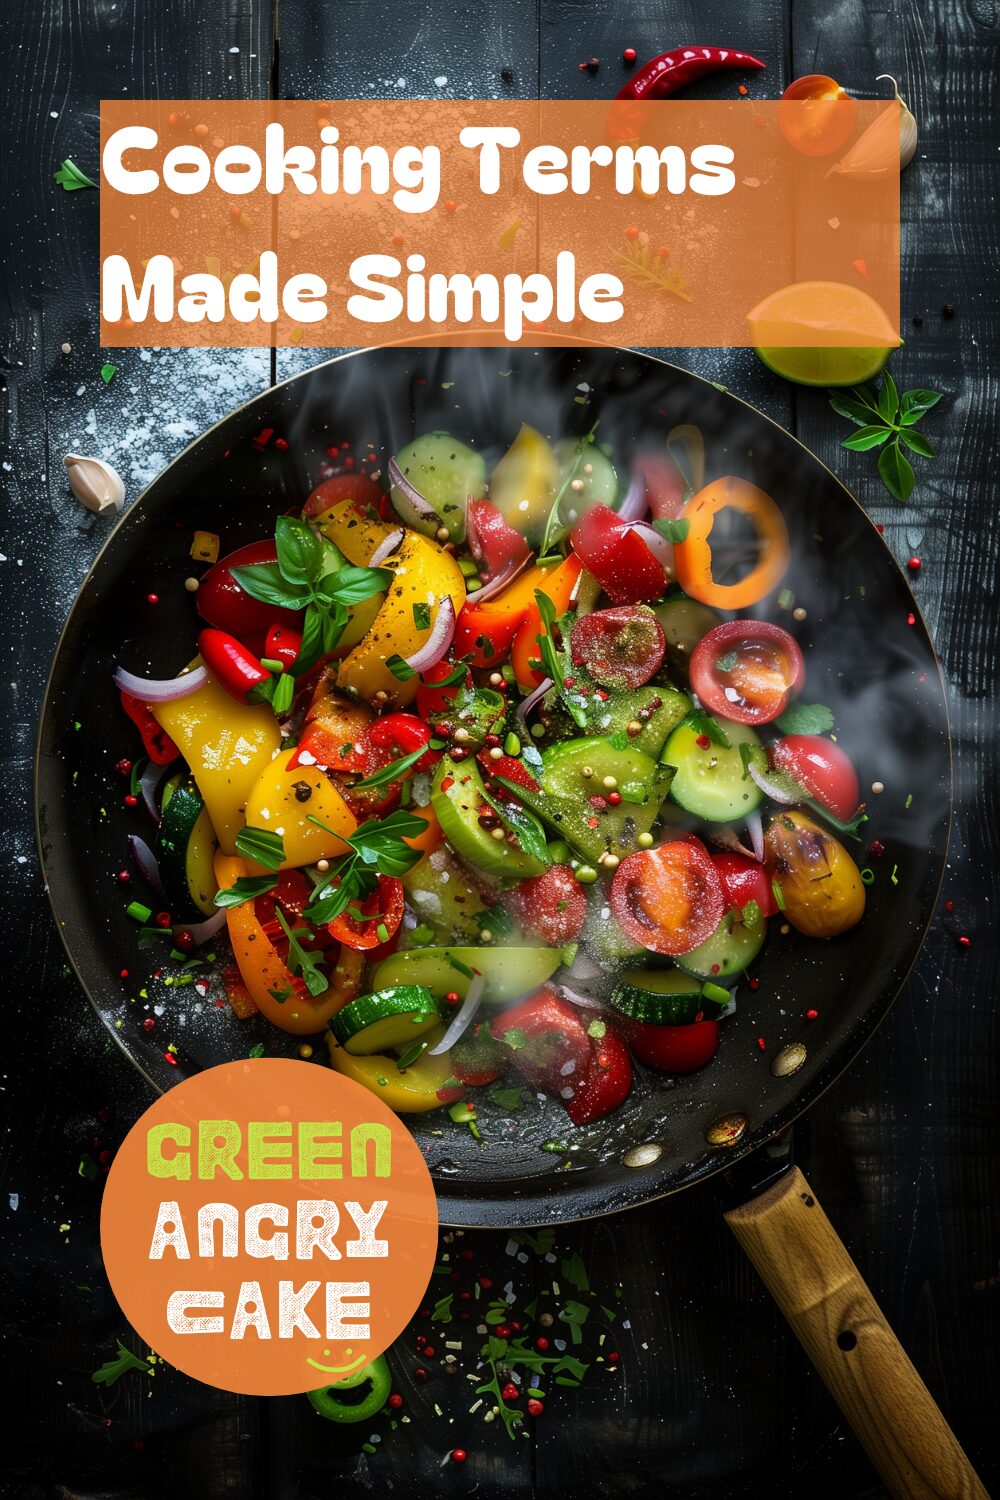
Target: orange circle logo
column 269, row 1227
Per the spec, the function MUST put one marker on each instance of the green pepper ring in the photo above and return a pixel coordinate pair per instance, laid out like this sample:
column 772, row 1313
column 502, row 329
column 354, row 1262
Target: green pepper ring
column 377, row 1375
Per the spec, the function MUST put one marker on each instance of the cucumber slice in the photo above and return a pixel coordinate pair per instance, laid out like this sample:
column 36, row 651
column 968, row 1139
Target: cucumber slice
column 386, row 1019
column 447, row 473
column 185, row 848
column 662, row 997
column 733, row 945
column 563, row 800
column 510, row 973
column 456, row 796
column 709, row 779
column 600, row 486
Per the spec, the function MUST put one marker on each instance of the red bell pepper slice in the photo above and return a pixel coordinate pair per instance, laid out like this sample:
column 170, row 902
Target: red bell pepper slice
column 159, row 746
column 548, row 1044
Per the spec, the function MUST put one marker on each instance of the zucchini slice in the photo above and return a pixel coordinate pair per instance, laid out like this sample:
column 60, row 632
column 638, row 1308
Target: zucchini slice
column 186, row 847
column 661, row 997
column 387, row 1019
column 732, row 946
column 710, row 780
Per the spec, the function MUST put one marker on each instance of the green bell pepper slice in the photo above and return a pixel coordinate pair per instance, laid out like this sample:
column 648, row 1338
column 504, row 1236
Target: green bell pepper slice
column 330, row 1403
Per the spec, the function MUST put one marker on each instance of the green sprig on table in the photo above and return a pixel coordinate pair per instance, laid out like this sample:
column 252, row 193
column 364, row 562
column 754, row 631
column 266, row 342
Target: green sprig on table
column 887, row 420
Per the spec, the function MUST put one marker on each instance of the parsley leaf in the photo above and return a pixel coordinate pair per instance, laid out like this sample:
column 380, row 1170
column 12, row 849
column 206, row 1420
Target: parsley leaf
column 114, row 1369
column 805, row 718
column 300, row 961
column 703, row 723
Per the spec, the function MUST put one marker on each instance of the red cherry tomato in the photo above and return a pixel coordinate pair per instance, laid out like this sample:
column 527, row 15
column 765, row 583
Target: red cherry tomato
column 343, row 487
column 815, row 115
column 551, row 1038
column 382, row 912
column 605, row 1083
column 746, row 670
column 225, row 605
column 744, row 880
column 433, row 701
column 550, row 907
column 485, row 634
column 618, row 557
column 668, row 899
column 674, row 1049
column 822, row 768
column 621, row 647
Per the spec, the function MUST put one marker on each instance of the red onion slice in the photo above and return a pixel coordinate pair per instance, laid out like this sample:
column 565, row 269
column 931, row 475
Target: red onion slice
column 160, row 689
column 661, row 549
column 387, row 548
column 527, row 704
column 636, row 501
column 465, row 1017
column 585, row 1002
column 438, row 641
column 400, row 482
column 202, row 932
column 777, row 792
column 146, row 862
column 755, row 829
column 149, row 783
column 499, row 583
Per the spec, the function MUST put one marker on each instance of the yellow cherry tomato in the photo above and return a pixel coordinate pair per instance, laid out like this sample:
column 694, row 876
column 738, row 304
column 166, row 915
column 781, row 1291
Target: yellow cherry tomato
column 820, row 885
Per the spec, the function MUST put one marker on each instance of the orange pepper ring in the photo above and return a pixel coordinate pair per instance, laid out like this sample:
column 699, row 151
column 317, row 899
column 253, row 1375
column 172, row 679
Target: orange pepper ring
column 693, row 556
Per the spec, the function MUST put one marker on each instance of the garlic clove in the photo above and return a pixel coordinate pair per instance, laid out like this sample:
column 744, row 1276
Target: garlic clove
column 95, row 484
column 907, row 124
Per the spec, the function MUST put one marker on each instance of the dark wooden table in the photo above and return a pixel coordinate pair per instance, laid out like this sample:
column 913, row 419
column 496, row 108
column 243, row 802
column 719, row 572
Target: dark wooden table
column 714, row 1399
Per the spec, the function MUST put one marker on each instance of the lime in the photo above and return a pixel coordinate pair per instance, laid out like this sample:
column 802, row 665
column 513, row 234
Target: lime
column 861, row 337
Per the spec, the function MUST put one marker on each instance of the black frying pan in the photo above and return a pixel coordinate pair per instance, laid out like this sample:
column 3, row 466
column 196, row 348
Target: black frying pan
column 869, row 657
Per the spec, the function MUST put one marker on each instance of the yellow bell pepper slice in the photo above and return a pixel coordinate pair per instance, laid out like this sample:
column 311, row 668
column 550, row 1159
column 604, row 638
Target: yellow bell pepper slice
column 227, row 745
column 354, row 530
column 525, row 482
column 424, row 575
column 285, row 798
column 409, row 1091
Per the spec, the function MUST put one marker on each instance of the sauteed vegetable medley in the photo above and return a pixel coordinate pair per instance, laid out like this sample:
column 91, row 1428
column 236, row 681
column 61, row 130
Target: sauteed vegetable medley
column 493, row 774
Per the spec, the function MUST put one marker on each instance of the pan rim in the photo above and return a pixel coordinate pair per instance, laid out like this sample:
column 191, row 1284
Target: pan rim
column 835, row 1067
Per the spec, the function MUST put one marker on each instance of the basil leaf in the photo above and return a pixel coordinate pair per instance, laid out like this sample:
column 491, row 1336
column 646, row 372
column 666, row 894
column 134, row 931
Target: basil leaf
column 300, row 550
column 915, row 403
column 896, row 472
column 246, row 888
column 458, row 673
column 529, row 831
column 888, row 399
column 262, row 846
column 866, row 437
column 674, row 531
column 916, row 442
column 805, row 718
column 400, row 669
column 264, row 581
column 354, row 585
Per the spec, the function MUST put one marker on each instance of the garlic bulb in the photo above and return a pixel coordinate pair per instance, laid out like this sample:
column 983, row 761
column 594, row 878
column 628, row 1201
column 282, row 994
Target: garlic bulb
column 877, row 152
column 95, row 484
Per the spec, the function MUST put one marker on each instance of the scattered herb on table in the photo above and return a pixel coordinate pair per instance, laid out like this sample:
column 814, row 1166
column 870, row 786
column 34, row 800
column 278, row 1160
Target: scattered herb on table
column 887, row 420
column 70, row 178
column 114, row 1369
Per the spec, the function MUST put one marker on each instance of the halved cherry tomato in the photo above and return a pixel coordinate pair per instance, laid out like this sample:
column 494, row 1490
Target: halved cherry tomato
column 618, row 557
column 815, row 115
column 605, row 1083
column 674, row 1049
column 620, row 647
column 550, row 907
column 552, row 1044
column 668, row 899
column 493, row 542
column 746, row 670
column 343, row 487
column 744, row 880
column 381, row 910
column 822, row 768
column 693, row 556
column 557, row 584
column 485, row 634
column 223, row 603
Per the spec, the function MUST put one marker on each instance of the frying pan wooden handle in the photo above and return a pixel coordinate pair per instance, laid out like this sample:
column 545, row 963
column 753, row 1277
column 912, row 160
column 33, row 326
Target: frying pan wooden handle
column 820, row 1290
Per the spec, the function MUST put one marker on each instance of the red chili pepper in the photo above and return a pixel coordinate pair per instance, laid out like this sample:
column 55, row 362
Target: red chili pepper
column 283, row 644
column 236, row 668
column 159, row 746
column 671, row 71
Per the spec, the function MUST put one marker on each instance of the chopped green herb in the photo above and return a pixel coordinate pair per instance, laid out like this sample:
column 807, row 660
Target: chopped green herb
column 245, row 888
column 674, row 531
column 70, row 178
column 779, row 899
column 392, row 772
column 262, row 846
column 728, row 662
column 703, row 723
column 114, row 1369
column 400, row 669
column 805, row 718
column 422, row 616
column 257, row 1050
column 108, row 373
column 300, row 961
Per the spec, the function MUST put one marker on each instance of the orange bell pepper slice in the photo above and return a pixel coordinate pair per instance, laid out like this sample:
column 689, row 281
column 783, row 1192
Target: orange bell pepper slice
column 263, row 971
column 429, row 838
column 558, row 583
column 693, row 556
